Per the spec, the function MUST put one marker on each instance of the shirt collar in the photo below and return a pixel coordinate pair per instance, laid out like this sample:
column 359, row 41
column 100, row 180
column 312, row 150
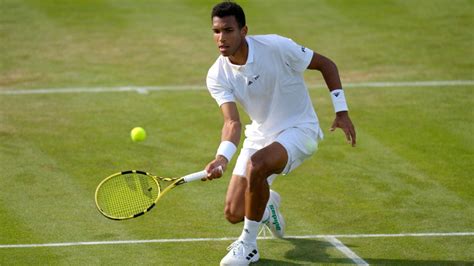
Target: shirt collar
column 249, row 55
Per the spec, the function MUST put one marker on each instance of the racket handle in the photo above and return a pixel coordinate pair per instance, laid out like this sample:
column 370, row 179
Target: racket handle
column 197, row 176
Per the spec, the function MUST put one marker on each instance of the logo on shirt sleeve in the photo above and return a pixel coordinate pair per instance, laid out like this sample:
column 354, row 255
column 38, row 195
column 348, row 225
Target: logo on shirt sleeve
column 303, row 49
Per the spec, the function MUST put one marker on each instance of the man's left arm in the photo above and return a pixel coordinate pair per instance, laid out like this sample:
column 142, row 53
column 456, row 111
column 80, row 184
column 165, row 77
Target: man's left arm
column 331, row 76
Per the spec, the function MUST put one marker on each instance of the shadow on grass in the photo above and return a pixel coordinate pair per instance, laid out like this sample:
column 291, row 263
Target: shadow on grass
column 312, row 251
column 305, row 251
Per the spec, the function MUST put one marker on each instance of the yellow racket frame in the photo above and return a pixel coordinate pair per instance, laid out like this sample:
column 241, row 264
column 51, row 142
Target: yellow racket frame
column 176, row 182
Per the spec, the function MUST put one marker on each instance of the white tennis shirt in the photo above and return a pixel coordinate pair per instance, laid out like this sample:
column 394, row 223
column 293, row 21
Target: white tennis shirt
column 270, row 86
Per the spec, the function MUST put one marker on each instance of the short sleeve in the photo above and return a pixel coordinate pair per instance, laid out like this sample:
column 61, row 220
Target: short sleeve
column 296, row 56
column 219, row 88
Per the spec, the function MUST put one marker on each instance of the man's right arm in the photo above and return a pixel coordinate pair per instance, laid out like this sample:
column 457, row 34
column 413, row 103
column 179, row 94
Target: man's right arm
column 232, row 127
column 231, row 131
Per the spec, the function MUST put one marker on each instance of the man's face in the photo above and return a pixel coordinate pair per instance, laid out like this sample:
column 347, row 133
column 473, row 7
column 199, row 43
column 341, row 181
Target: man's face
column 227, row 34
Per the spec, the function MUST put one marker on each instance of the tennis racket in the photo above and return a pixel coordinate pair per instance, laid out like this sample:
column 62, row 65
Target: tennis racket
column 132, row 193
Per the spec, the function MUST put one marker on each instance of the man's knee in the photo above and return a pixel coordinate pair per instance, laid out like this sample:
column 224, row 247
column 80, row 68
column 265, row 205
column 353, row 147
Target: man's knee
column 267, row 161
column 258, row 169
column 233, row 214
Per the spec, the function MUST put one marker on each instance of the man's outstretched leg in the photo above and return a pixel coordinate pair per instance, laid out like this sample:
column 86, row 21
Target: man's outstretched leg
column 269, row 160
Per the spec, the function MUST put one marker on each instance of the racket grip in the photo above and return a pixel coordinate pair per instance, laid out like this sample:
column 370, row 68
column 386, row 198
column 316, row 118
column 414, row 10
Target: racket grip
column 197, row 176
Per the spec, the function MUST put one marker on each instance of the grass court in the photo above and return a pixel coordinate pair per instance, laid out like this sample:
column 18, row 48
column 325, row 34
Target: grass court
column 403, row 196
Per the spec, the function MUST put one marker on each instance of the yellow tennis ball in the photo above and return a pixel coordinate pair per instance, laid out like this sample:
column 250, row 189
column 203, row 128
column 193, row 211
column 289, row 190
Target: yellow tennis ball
column 138, row 134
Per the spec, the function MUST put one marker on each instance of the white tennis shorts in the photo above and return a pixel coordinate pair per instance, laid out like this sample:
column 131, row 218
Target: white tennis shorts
column 300, row 143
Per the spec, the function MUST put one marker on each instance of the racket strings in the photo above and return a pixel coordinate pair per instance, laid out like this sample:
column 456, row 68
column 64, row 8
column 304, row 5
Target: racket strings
column 127, row 195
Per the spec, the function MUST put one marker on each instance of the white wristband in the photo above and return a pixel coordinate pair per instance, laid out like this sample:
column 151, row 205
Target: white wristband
column 226, row 149
column 339, row 100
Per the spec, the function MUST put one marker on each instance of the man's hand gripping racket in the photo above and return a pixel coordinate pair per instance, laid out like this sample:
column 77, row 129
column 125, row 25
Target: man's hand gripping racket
column 132, row 193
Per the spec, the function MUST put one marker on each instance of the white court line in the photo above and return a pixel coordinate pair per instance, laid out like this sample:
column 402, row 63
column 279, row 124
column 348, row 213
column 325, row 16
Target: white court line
column 146, row 89
column 180, row 240
column 433, row 83
column 347, row 251
column 138, row 89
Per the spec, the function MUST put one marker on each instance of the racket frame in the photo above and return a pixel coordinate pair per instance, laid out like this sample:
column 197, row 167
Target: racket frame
column 176, row 182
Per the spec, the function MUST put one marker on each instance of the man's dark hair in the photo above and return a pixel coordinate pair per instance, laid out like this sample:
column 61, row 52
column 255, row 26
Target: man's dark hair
column 228, row 8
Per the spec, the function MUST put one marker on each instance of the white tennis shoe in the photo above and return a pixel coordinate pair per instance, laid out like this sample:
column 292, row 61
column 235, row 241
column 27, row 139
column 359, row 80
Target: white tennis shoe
column 240, row 253
column 275, row 222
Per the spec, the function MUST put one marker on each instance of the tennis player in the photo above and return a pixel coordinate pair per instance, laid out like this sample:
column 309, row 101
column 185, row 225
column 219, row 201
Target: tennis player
column 264, row 73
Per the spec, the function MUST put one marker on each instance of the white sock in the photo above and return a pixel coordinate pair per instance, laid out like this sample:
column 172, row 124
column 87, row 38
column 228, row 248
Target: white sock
column 250, row 231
